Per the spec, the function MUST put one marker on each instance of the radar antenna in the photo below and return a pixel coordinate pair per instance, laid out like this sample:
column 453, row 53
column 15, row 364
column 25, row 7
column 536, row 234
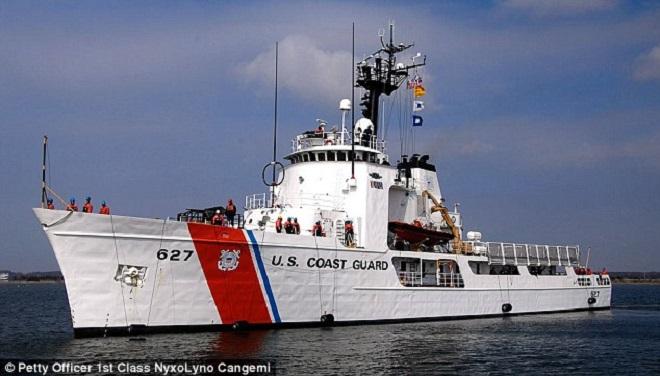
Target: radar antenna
column 380, row 74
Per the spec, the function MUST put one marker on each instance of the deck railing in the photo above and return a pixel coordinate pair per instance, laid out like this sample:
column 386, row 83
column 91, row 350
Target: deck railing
column 312, row 139
column 527, row 254
column 258, row 201
column 419, row 279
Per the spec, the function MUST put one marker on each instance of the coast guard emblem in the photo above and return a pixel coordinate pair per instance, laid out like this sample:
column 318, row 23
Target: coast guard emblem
column 228, row 260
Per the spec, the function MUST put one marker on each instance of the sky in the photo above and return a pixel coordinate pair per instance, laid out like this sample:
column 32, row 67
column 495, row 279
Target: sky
column 543, row 118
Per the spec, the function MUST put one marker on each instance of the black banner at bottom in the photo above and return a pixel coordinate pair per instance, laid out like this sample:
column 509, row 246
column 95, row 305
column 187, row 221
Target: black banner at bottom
column 165, row 367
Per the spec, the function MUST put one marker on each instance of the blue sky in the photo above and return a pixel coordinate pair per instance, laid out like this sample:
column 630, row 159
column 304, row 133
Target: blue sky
column 543, row 118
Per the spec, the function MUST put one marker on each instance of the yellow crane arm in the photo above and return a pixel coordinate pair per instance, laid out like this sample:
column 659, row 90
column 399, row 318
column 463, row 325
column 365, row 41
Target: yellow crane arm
column 439, row 207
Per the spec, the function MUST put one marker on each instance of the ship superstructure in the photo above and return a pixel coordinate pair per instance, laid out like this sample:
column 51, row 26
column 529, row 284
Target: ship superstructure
column 375, row 243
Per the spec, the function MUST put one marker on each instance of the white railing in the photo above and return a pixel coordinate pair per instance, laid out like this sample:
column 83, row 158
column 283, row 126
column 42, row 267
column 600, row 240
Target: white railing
column 527, row 254
column 411, row 279
column 449, row 280
column 314, row 139
column 258, row 201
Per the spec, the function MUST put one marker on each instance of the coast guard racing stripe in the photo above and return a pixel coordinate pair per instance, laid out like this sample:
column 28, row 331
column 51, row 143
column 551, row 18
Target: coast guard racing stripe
column 236, row 290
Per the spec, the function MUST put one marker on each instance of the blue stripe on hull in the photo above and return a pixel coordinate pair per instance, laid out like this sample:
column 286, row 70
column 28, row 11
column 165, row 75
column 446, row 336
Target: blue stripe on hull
column 264, row 276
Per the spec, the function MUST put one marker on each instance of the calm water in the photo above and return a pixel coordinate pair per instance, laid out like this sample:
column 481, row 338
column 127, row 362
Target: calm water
column 35, row 323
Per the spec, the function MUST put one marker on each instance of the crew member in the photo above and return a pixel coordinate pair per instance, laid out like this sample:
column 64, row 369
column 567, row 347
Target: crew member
column 296, row 226
column 320, row 130
column 88, row 207
column 288, row 226
column 105, row 209
column 348, row 233
column 317, row 230
column 278, row 224
column 50, row 204
column 72, row 205
column 217, row 218
column 230, row 212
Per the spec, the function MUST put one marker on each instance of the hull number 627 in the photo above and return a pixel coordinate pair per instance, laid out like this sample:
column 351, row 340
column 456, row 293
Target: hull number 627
column 174, row 254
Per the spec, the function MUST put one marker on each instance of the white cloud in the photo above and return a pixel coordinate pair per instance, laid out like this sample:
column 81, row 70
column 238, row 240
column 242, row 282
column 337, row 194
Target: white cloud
column 559, row 7
column 304, row 68
column 647, row 66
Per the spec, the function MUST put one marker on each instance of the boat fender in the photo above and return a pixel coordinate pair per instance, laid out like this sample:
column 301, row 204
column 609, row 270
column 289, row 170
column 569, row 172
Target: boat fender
column 506, row 307
column 591, row 300
column 327, row 319
column 239, row 325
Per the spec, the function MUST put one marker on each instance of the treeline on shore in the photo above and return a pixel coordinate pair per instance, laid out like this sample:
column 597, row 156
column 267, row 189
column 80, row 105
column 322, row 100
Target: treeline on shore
column 635, row 277
column 34, row 276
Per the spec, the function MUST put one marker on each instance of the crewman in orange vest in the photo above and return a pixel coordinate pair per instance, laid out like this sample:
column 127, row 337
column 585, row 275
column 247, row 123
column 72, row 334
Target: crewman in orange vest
column 230, row 212
column 317, row 230
column 288, row 226
column 104, row 208
column 278, row 224
column 50, row 204
column 348, row 233
column 217, row 219
column 296, row 226
column 88, row 207
column 72, row 205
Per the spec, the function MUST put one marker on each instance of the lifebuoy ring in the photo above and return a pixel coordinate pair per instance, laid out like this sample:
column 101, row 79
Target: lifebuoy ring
column 329, row 142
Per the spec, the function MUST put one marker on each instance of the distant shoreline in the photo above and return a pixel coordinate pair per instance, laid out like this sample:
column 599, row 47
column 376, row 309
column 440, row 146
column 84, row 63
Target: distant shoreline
column 23, row 282
column 633, row 281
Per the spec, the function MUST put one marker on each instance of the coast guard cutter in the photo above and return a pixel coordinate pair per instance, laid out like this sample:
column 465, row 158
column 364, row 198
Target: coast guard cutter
column 406, row 259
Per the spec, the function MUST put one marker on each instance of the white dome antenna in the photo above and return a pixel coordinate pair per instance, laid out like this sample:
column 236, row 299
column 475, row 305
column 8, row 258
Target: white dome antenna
column 344, row 107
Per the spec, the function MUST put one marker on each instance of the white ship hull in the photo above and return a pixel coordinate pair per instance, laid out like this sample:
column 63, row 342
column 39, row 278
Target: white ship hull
column 124, row 274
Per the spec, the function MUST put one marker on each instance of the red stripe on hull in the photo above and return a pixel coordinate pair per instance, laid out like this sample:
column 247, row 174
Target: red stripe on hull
column 237, row 293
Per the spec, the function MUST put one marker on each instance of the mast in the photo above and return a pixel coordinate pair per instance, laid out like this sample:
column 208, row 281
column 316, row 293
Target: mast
column 353, row 106
column 44, row 195
column 380, row 74
column 272, row 194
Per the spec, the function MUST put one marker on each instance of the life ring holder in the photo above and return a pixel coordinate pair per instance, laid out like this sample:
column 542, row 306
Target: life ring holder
column 263, row 174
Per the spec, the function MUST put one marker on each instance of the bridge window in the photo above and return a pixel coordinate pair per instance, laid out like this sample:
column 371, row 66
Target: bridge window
column 331, row 156
column 321, row 157
column 312, row 157
column 479, row 267
column 305, row 157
